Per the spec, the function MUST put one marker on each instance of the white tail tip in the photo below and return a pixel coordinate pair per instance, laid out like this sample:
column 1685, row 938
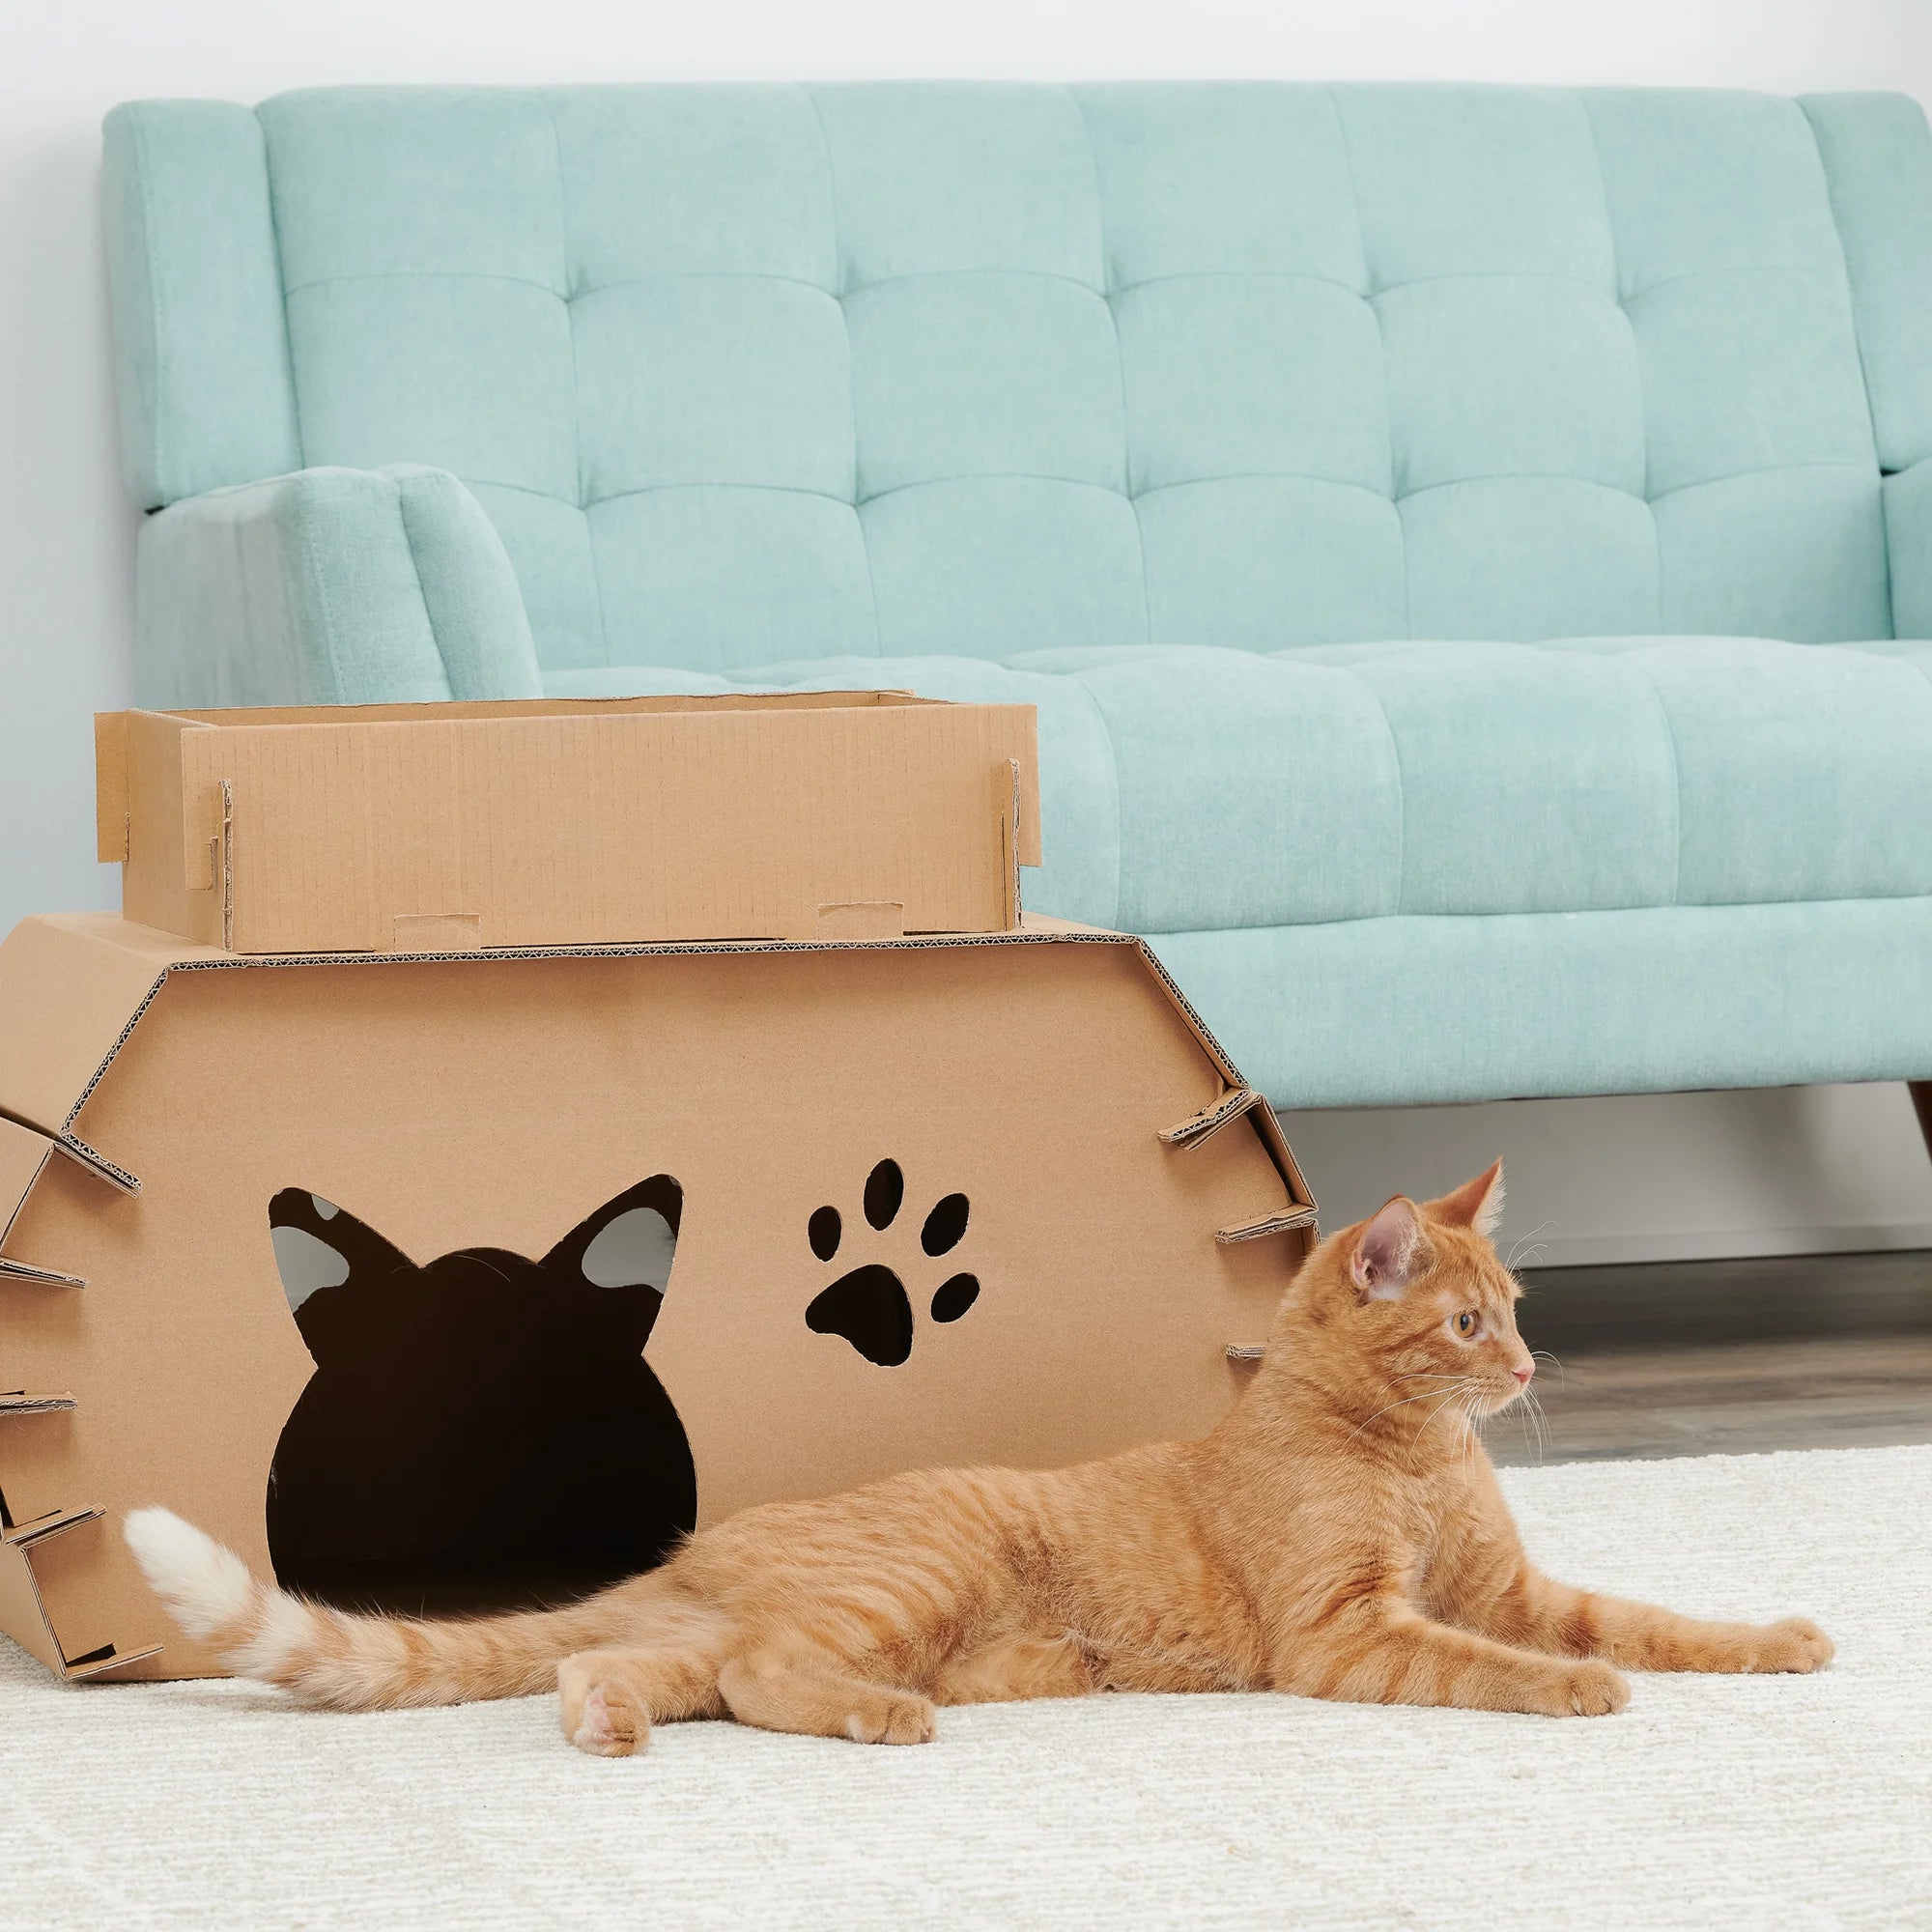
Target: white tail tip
column 207, row 1588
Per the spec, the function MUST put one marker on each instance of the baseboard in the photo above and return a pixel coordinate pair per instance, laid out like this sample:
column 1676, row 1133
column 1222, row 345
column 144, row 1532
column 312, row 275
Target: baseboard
column 1726, row 1243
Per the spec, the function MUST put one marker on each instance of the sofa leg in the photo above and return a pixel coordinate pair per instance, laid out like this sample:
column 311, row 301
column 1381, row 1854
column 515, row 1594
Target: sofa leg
column 1921, row 1105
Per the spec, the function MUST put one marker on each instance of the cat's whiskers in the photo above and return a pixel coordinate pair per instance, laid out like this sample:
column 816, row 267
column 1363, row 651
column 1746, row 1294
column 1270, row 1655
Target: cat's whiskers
column 1403, row 1404
column 1523, row 1243
column 1537, row 1414
column 1466, row 1391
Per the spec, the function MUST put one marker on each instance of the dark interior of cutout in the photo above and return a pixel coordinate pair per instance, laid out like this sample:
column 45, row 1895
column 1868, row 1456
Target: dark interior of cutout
column 953, row 1297
column 945, row 1224
column 885, row 1189
column 482, row 1432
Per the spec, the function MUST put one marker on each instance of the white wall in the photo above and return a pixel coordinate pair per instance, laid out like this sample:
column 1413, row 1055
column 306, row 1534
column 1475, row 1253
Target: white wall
column 1695, row 1173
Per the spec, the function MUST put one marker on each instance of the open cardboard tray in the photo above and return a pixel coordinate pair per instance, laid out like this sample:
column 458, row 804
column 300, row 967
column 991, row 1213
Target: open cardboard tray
column 1125, row 1208
column 398, row 828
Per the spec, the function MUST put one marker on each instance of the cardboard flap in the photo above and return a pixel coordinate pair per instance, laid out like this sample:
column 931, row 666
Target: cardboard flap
column 110, row 787
column 23, row 1607
column 46, row 1277
column 23, row 1157
column 23, row 1153
column 24, row 1402
column 1280, row 1221
column 1211, row 1118
column 23, row 1613
column 25, row 1534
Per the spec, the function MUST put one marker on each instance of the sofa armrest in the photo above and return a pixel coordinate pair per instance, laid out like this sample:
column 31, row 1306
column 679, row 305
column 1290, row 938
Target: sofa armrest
column 1908, row 542
column 330, row 586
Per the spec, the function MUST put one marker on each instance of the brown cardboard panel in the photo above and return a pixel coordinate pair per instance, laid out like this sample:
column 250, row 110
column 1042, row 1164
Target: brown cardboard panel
column 23, row 1153
column 1018, row 1085
column 22, row 1614
column 69, row 989
column 392, row 828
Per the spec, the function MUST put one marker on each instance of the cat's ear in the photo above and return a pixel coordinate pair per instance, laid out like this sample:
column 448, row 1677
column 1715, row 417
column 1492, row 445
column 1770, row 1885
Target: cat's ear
column 318, row 1247
column 1388, row 1252
column 1477, row 1203
column 629, row 1242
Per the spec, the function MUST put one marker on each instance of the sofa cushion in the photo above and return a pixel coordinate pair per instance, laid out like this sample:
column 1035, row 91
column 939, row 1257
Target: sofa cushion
column 1186, row 789
column 743, row 373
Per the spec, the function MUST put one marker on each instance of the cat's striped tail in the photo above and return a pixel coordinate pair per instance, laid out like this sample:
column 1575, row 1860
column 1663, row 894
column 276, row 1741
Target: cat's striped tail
column 332, row 1658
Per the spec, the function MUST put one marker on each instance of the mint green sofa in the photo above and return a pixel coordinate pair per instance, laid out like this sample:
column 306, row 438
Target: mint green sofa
column 1466, row 545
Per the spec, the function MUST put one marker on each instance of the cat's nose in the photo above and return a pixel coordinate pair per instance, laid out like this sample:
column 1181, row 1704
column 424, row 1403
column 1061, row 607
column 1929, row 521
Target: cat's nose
column 1524, row 1374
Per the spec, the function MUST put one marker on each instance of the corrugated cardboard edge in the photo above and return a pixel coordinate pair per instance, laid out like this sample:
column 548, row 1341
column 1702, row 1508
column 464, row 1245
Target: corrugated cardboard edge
column 1301, row 1217
column 144, row 958
column 24, row 1613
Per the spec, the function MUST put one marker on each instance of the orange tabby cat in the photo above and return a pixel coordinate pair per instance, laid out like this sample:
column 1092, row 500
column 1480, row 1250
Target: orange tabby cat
column 1340, row 1534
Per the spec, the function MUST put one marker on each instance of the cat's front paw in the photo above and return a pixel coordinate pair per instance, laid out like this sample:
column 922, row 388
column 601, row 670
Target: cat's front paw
column 892, row 1718
column 1590, row 1690
column 1792, row 1643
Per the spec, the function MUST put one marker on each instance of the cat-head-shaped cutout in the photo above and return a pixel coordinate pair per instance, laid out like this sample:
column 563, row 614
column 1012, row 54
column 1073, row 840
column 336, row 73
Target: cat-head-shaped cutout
column 480, row 1425
column 625, row 1248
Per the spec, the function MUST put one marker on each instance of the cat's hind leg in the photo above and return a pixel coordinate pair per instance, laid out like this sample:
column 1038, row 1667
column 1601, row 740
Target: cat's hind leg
column 813, row 1691
column 1013, row 1670
column 609, row 1699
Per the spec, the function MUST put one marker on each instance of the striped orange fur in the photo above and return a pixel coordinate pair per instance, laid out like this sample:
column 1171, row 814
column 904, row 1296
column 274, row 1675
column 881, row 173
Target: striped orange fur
column 1340, row 1534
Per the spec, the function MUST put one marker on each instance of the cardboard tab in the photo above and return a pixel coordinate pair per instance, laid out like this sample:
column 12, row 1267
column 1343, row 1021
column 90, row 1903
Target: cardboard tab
column 436, row 932
column 20, row 1401
column 110, row 787
column 46, row 1277
column 23, row 1154
column 26, row 1534
column 1280, row 1221
column 877, row 919
column 585, row 822
column 1211, row 1118
column 23, row 1158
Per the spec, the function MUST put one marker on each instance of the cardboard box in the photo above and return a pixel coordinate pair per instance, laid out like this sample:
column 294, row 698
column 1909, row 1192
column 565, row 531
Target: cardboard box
column 447, row 827
column 431, row 1262
column 994, row 1197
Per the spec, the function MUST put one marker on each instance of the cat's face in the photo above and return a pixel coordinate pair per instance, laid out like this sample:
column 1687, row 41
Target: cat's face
column 1414, row 1306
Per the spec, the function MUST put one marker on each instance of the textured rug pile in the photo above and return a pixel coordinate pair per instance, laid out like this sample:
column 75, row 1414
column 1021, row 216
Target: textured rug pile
column 1711, row 1802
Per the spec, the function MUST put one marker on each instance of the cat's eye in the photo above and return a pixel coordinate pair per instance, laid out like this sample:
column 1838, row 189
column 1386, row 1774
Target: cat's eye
column 1465, row 1323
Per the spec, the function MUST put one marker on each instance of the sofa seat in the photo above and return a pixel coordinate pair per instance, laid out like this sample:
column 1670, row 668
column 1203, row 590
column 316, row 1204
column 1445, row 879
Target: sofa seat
column 1200, row 789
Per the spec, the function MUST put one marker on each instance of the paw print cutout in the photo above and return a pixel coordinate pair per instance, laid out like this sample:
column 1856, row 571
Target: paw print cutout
column 868, row 1304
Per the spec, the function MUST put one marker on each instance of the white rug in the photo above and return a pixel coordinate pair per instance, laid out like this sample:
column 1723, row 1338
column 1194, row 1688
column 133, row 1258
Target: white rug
column 1712, row 1803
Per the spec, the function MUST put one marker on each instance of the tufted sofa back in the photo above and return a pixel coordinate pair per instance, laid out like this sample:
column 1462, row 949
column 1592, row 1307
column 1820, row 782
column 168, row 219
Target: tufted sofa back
column 746, row 374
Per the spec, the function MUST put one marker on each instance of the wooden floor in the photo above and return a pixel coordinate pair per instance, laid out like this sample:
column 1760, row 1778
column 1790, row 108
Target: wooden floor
column 1690, row 1358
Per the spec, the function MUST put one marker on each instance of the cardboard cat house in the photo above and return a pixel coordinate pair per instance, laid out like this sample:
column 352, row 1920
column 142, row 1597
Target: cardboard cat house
column 473, row 1275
